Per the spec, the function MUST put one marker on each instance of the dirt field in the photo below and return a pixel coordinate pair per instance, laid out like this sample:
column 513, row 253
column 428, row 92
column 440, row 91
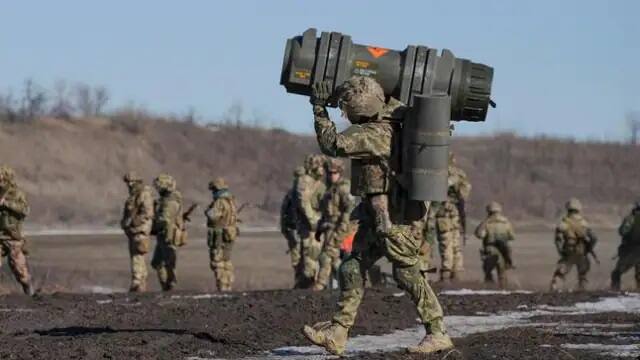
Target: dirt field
column 197, row 323
column 95, row 263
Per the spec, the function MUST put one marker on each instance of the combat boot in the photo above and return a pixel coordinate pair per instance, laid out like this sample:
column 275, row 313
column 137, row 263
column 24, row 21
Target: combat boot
column 331, row 336
column 318, row 287
column 432, row 343
column 28, row 289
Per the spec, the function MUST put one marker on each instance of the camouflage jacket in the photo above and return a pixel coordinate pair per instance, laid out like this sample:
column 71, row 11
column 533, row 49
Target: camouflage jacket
column 495, row 228
column 222, row 213
column 371, row 146
column 168, row 221
column 336, row 207
column 137, row 215
column 13, row 211
column 459, row 185
column 573, row 235
column 288, row 211
column 309, row 192
column 630, row 229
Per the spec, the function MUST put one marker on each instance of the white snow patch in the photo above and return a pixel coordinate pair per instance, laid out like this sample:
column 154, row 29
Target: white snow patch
column 102, row 302
column 99, row 289
column 203, row 296
column 17, row 310
column 398, row 294
column 632, row 351
column 462, row 292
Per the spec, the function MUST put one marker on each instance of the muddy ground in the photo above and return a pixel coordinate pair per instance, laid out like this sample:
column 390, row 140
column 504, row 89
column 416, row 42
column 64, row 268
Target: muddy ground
column 66, row 321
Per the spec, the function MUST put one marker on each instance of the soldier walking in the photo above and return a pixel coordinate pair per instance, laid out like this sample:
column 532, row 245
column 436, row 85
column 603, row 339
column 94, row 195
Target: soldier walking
column 137, row 220
column 450, row 223
column 309, row 191
column 574, row 241
column 222, row 217
column 629, row 249
column 496, row 234
column 384, row 228
column 168, row 226
column 334, row 226
column 288, row 223
column 14, row 208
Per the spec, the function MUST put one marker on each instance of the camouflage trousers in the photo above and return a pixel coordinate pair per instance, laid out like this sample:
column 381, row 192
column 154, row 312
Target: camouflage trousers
column 329, row 258
column 293, row 243
column 425, row 253
column 164, row 262
column 400, row 245
column 568, row 261
column 492, row 260
column 12, row 249
column 626, row 261
column 220, row 248
column 451, row 258
column 309, row 263
column 138, row 248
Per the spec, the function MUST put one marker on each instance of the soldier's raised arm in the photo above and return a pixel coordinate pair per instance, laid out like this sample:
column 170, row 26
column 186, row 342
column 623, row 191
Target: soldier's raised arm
column 17, row 204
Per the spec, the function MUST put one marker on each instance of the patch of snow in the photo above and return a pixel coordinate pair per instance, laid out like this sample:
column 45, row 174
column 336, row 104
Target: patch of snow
column 17, row 310
column 102, row 302
column 98, row 289
column 203, row 296
column 463, row 292
column 632, row 351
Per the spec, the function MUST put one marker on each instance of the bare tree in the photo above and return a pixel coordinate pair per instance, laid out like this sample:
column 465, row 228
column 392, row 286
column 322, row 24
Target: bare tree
column 633, row 121
column 235, row 113
column 83, row 101
column 101, row 98
column 33, row 102
column 62, row 107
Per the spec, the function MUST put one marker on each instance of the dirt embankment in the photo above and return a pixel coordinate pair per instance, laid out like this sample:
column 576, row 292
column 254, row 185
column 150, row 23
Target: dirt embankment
column 72, row 169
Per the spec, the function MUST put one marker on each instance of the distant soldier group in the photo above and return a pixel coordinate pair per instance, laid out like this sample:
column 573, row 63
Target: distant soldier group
column 166, row 219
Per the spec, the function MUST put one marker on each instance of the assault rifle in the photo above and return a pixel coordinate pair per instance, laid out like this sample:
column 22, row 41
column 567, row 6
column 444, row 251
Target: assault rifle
column 186, row 216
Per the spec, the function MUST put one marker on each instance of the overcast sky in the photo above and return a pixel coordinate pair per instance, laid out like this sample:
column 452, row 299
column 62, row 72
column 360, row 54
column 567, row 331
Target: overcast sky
column 567, row 68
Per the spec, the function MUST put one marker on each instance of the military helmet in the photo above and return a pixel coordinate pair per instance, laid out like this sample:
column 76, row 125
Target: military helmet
column 313, row 161
column 7, row 175
column 217, row 184
column 335, row 165
column 165, row 182
column 131, row 176
column 574, row 205
column 494, row 207
column 299, row 171
column 361, row 96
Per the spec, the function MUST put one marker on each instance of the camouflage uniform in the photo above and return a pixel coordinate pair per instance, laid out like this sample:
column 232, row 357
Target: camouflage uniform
column 309, row 191
column 288, row 223
column 137, row 219
column 334, row 225
column 168, row 225
column 629, row 249
column 495, row 232
column 13, row 210
column 428, row 242
column 448, row 223
column 222, row 232
column 382, row 231
column 573, row 241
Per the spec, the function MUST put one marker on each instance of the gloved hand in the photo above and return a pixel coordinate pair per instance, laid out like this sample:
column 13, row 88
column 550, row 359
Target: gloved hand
column 320, row 93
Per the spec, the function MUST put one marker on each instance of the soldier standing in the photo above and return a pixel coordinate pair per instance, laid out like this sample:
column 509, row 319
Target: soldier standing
column 334, row 226
column 450, row 223
column 383, row 230
column 309, row 192
column 288, row 223
column 629, row 249
column 137, row 219
column 168, row 225
column 222, row 217
column 574, row 241
column 13, row 210
column 496, row 233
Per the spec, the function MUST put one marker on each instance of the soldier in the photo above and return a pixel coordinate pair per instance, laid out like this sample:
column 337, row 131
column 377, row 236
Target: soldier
column 629, row 249
column 222, row 217
column 288, row 223
column 334, row 225
column 495, row 232
column 574, row 241
column 13, row 210
column 428, row 242
column 383, row 230
column 137, row 219
column 168, row 225
column 450, row 223
column 309, row 192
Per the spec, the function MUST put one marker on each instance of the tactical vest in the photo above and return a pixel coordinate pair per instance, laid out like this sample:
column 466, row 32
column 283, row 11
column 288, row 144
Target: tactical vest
column 497, row 229
column 10, row 222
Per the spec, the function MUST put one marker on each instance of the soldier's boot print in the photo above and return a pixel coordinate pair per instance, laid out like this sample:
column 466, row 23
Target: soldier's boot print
column 331, row 336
